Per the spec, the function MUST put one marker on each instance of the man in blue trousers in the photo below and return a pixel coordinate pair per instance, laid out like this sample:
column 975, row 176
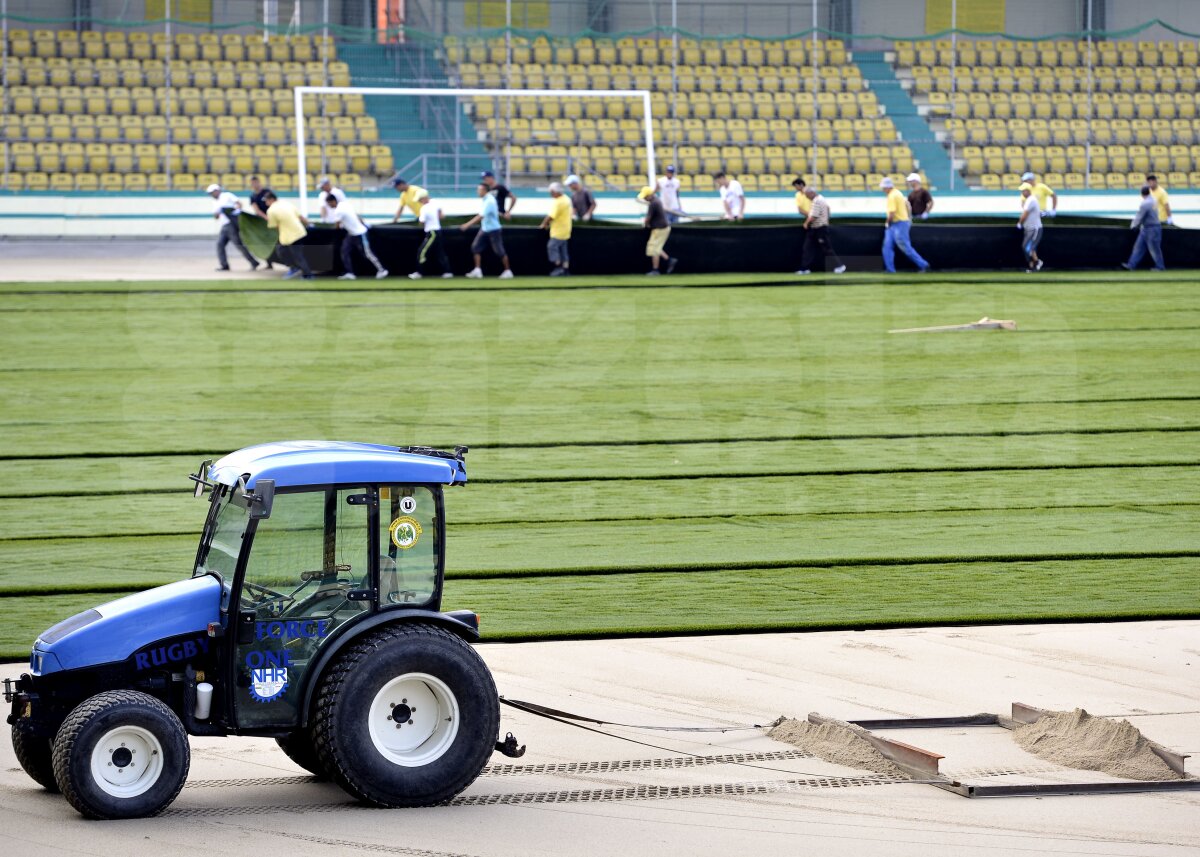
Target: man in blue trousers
column 899, row 222
column 1150, row 238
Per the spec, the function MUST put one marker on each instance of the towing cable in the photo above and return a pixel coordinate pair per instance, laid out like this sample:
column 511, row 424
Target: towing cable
column 579, row 721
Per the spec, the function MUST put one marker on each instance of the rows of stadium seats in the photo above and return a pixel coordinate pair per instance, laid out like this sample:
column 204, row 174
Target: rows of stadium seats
column 1040, row 132
column 186, row 182
column 212, row 47
column 150, row 158
column 721, row 99
column 253, row 130
column 59, row 71
column 1075, row 159
column 1062, row 105
column 646, row 50
column 687, row 79
column 1094, row 181
column 98, row 108
column 1014, row 106
column 698, row 105
column 164, row 100
column 694, row 132
column 1029, row 79
column 706, row 160
column 751, row 182
column 1064, row 54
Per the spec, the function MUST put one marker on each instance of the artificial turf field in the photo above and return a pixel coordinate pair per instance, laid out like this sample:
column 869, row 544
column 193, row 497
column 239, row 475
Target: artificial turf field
column 677, row 455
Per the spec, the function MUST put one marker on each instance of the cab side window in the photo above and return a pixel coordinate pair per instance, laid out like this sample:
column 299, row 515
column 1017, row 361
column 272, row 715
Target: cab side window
column 408, row 548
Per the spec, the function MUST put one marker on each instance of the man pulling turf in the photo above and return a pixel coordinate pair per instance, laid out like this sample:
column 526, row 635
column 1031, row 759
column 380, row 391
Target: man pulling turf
column 896, row 233
column 1031, row 224
column 488, row 219
column 660, row 230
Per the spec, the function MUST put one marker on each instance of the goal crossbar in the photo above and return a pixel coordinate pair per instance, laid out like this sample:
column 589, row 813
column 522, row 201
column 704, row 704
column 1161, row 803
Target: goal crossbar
column 301, row 91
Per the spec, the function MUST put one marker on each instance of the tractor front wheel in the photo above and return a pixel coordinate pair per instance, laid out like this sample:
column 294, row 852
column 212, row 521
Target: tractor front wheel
column 408, row 717
column 34, row 754
column 121, row 754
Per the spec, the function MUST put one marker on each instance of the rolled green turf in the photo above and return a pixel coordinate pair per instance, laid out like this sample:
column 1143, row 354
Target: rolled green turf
column 715, row 453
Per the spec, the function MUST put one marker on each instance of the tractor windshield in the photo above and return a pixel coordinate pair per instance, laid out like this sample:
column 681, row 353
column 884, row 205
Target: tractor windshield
column 222, row 539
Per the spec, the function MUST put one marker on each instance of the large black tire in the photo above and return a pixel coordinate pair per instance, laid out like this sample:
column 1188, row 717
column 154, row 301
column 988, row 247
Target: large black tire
column 370, row 755
column 299, row 748
column 34, row 754
column 141, row 738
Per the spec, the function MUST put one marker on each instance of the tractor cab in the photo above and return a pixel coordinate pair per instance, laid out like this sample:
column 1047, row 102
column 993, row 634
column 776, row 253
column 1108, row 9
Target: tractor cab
column 306, row 540
column 312, row 615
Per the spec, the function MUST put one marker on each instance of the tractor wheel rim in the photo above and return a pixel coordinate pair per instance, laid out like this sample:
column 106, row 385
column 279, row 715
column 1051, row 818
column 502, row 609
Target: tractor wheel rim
column 127, row 761
column 413, row 719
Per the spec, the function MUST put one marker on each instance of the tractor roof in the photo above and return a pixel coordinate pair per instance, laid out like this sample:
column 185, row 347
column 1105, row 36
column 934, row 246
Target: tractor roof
column 330, row 462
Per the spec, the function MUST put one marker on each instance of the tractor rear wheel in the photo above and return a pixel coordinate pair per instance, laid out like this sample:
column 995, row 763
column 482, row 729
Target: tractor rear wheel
column 299, row 748
column 121, row 754
column 34, row 754
column 407, row 717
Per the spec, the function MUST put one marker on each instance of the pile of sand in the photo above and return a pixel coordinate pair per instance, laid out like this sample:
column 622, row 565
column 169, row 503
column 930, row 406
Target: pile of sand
column 1076, row 739
column 835, row 741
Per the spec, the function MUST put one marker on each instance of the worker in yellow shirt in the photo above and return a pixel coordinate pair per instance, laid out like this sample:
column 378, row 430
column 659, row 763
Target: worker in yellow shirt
column 895, row 234
column 803, row 203
column 410, row 197
column 1159, row 194
column 559, row 223
column 283, row 217
column 1046, row 197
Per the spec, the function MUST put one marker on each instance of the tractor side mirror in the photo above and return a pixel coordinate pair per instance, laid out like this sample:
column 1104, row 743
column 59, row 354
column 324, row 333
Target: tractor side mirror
column 259, row 503
column 200, row 477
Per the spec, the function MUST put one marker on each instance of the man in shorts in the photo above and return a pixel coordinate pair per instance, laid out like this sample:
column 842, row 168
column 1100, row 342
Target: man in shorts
column 558, row 221
column 488, row 219
column 660, row 231
column 1031, row 224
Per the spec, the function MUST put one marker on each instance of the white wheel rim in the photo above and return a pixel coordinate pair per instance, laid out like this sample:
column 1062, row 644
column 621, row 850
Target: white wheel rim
column 431, row 724
column 127, row 761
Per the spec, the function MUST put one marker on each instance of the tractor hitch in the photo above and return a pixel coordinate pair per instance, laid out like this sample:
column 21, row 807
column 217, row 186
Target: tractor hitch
column 509, row 747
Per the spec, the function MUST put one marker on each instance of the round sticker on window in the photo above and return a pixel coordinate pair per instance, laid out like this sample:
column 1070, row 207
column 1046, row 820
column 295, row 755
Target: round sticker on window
column 408, row 505
column 405, row 532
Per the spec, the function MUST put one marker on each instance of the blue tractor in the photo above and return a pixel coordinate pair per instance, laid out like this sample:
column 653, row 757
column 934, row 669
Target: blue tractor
column 313, row 616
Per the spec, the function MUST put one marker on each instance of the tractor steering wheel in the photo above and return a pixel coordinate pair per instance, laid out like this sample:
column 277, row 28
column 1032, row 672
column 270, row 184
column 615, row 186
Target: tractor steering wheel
column 263, row 598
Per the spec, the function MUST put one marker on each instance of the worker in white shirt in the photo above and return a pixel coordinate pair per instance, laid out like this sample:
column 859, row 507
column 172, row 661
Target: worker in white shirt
column 733, row 198
column 326, row 187
column 347, row 219
column 431, row 221
column 668, row 192
column 226, row 209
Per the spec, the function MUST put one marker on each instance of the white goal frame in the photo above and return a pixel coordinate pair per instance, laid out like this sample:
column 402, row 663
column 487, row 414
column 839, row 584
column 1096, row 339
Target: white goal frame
column 301, row 91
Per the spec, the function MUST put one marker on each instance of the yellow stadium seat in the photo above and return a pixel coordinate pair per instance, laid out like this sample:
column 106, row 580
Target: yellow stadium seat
column 97, row 157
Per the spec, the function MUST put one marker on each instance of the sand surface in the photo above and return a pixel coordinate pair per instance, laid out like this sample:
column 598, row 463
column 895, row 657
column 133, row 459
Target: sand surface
column 577, row 793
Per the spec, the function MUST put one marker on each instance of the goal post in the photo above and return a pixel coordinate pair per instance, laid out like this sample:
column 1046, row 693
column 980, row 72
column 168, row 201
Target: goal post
column 301, row 91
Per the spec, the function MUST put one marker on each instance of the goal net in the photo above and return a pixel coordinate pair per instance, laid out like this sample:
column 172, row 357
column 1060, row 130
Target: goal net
column 441, row 139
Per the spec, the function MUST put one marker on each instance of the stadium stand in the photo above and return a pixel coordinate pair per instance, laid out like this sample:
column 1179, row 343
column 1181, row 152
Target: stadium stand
column 745, row 106
column 110, row 111
column 1023, row 105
